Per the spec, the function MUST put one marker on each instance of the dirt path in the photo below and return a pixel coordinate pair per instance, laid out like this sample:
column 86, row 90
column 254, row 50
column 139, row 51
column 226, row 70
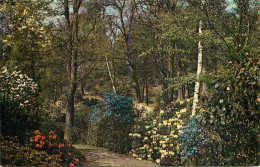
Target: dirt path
column 102, row 157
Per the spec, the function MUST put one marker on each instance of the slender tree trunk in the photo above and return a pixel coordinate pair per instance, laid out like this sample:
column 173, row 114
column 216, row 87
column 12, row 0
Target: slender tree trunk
column 204, row 90
column 147, row 91
column 82, row 87
column 179, row 74
column 165, row 94
column 172, row 71
column 180, row 94
column 137, row 87
column 142, row 95
column 186, row 92
column 199, row 70
column 110, row 75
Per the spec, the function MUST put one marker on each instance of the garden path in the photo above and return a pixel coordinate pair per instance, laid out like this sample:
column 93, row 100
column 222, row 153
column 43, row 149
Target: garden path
column 101, row 157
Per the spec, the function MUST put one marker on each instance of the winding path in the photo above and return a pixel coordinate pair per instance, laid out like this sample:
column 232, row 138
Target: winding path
column 102, row 157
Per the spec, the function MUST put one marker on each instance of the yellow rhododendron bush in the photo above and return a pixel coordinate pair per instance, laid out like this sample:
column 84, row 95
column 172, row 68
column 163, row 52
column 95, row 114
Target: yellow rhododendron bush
column 157, row 138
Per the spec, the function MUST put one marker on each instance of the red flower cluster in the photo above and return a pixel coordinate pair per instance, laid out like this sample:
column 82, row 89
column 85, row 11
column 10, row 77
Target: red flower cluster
column 61, row 145
column 41, row 140
column 50, row 145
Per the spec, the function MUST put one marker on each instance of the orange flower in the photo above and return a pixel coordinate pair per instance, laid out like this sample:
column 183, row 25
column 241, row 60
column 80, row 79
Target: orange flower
column 71, row 164
column 31, row 139
column 50, row 137
column 50, row 145
column 41, row 144
column 37, row 132
column 61, row 145
column 54, row 136
column 85, row 163
column 69, row 145
column 51, row 132
column 43, row 137
column 69, row 153
column 77, row 160
column 36, row 139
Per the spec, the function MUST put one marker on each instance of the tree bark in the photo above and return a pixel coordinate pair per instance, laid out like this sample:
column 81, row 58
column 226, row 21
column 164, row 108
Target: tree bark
column 165, row 94
column 137, row 87
column 179, row 74
column 204, row 91
column 146, row 91
column 72, row 64
column 110, row 75
column 199, row 70
column 82, row 86
column 186, row 93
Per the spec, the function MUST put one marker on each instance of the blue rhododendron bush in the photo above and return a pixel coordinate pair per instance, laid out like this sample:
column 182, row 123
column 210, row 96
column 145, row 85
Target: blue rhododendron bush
column 111, row 122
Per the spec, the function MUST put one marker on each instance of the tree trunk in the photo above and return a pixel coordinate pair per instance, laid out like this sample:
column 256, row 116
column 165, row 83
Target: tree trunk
column 204, row 90
column 186, row 92
column 147, row 91
column 165, row 93
column 179, row 74
column 199, row 70
column 110, row 75
column 72, row 64
column 137, row 87
column 82, row 87
column 180, row 94
column 172, row 72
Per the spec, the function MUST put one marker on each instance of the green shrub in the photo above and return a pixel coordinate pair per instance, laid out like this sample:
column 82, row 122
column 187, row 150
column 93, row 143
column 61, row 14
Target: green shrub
column 229, row 118
column 14, row 154
column 111, row 123
column 19, row 109
column 156, row 138
column 15, row 120
column 51, row 144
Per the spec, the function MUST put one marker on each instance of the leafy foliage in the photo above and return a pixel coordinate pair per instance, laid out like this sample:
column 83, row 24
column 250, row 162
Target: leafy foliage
column 18, row 103
column 226, row 131
column 53, row 145
column 113, row 122
column 15, row 154
column 156, row 138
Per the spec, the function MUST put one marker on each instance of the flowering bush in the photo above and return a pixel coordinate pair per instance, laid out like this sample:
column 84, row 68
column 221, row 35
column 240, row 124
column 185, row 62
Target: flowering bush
column 113, row 121
column 50, row 144
column 197, row 141
column 230, row 117
column 18, row 103
column 14, row 154
column 157, row 139
column 18, row 87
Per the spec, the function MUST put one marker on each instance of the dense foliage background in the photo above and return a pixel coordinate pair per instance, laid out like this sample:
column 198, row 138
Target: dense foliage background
column 60, row 61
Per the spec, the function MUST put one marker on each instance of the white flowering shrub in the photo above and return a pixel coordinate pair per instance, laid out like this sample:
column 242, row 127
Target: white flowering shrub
column 17, row 87
column 157, row 139
column 19, row 109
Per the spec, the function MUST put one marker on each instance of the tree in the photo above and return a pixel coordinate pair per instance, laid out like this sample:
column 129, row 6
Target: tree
column 199, row 70
column 72, row 25
column 24, row 35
